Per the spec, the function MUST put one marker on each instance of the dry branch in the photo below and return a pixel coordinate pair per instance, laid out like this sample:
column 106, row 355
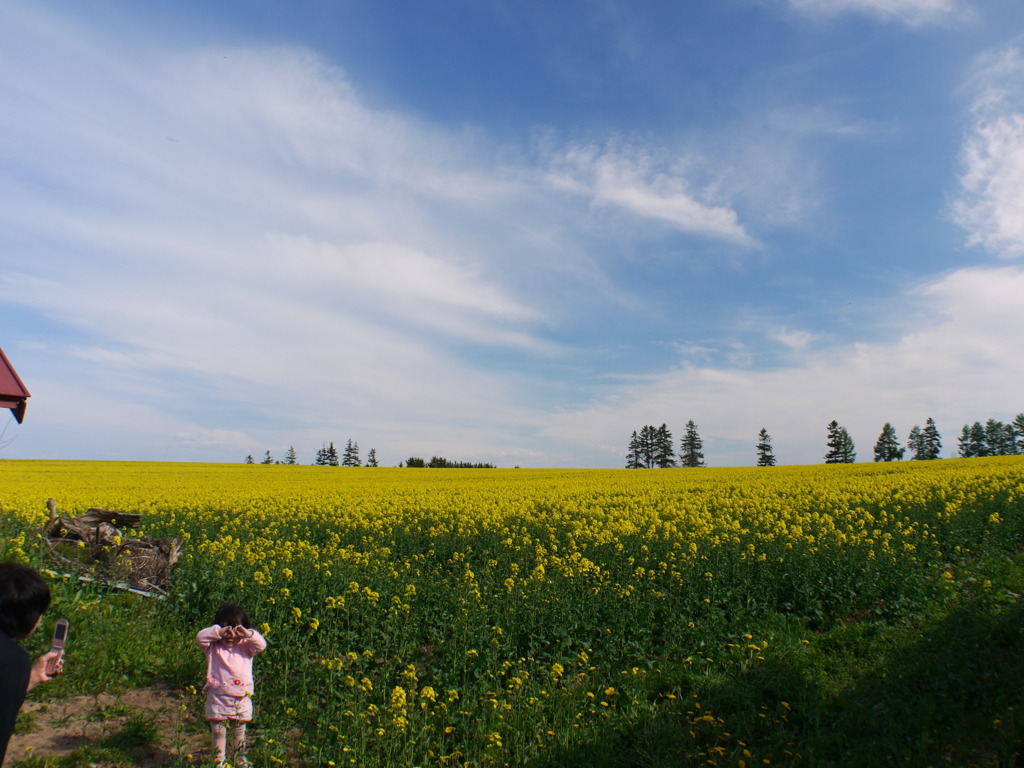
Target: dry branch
column 93, row 543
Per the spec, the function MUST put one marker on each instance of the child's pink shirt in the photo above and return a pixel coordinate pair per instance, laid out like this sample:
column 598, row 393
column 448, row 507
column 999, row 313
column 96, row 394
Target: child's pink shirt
column 229, row 669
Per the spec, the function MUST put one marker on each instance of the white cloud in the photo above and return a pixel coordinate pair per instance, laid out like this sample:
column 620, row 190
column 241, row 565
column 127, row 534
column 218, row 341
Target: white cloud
column 912, row 12
column 234, row 231
column 769, row 162
column 403, row 279
column 66, row 419
column 798, row 340
column 629, row 180
column 990, row 206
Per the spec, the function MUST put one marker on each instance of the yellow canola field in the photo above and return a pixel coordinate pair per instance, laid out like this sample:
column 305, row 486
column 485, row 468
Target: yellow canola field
column 476, row 617
column 613, row 530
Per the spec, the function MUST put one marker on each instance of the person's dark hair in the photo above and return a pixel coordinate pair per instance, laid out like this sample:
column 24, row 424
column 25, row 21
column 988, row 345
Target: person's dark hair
column 231, row 615
column 24, row 597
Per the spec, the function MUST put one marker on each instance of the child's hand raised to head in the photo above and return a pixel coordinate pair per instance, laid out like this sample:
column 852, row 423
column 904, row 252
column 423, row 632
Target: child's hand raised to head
column 234, row 634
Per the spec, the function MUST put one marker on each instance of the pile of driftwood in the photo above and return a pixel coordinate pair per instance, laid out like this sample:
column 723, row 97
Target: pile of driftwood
column 94, row 546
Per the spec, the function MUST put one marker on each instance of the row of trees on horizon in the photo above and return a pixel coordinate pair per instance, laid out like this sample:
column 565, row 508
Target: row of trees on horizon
column 327, row 456
column 652, row 447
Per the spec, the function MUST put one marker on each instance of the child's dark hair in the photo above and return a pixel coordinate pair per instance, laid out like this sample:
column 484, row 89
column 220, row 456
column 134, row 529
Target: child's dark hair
column 24, row 597
column 231, row 615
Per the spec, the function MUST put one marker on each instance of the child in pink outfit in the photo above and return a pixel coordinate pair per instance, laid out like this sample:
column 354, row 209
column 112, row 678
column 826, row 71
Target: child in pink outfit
column 229, row 645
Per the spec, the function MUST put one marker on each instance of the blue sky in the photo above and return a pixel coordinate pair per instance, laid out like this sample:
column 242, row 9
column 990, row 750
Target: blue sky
column 508, row 232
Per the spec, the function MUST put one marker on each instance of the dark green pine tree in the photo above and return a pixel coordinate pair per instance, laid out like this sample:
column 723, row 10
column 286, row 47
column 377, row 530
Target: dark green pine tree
column 916, row 444
column 249, row 459
column 290, row 457
column 350, row 458
column 1017, row 425
column 972, row 443
column 996, row 438
column 840, row 445
column 267, row 459
column 963, row 445
column 371, row 458
column 648, row 445
column 633, row 460
column 332, row 455
column 645, row 447
column 690, row 447
column 1009, row 440
column 887, row 448
column 979, row 441
column 849, row 450
column 765, row 455
column 833, row 442
column 664, row 452
column 932, row 441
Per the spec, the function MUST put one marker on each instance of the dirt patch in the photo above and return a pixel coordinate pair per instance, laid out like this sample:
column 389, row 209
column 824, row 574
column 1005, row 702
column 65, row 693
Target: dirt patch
column 152, row 723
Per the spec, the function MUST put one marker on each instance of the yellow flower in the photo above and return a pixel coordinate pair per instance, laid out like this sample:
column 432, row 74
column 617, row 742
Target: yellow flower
column 398, row 698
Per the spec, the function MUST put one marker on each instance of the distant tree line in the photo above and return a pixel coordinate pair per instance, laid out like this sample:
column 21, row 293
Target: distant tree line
column 326, row 456
column 994, row 438
column 651, row 447
column 329, row 456
column 923, row 444
column 439, row 462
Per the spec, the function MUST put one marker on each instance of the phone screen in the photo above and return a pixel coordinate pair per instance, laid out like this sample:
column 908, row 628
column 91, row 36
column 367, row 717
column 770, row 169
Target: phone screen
column 60, row 635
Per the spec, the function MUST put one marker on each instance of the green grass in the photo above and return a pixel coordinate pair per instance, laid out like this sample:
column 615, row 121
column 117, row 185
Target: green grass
column 942, row 687
column 26, row 722
column 117, row 641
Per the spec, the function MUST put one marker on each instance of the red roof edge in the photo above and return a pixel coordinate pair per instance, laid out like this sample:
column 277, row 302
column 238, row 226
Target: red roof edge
column 13, row 393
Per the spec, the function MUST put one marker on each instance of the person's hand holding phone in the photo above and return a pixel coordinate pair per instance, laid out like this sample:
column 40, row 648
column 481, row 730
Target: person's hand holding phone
column 51, row 663
column 47, row 667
